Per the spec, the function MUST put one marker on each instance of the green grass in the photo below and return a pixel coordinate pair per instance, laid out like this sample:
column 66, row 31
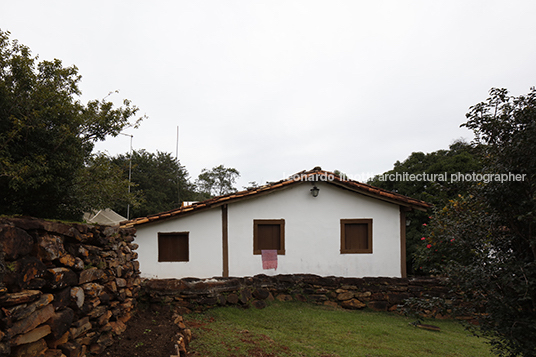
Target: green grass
column 299, row 329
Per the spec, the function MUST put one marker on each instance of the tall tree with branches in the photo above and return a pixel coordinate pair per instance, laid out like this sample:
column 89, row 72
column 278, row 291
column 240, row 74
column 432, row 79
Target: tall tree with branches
column 47, row 135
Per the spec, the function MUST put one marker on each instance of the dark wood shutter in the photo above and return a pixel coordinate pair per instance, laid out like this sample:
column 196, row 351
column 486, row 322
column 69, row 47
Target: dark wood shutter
column 356, row 236
column 269, row 236
column 173, row 247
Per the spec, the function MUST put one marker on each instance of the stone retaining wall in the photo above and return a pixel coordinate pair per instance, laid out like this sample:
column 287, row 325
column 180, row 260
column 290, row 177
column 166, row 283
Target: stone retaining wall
column 381, row 294
column 65, row 289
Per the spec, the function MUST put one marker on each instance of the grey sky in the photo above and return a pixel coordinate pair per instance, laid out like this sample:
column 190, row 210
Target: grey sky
column 274, row 87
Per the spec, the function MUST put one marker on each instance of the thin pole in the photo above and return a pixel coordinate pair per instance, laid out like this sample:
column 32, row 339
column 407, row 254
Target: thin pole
column 129, row 174
column 129, row 170
column 178, row 169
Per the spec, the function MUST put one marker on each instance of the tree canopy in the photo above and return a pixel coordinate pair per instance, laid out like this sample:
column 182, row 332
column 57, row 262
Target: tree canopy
column 484, row 240
column 159, row 182
column 217, row 181
column 460, row 158
column 47, row 135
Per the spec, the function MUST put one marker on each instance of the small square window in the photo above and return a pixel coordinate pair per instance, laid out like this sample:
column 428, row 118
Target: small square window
column 356, row 236
column 173, row 247
column 269, row 234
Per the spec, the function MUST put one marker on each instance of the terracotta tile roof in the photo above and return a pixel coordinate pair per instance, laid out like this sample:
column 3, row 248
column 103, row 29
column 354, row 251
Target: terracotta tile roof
column 316, row 174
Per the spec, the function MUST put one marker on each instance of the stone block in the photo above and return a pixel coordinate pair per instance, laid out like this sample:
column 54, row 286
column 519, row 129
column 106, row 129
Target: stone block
column 259, row 304
column 363, row 295
column 283, row 297
column 80, row 330
column 245, row 296
column 125, row 317
column 318, row 298
column 22, row 297
column 353, row 304
column 53, row 353
column 5, row 349
column 28, row 273
column 345, row 296
column 166, row 285
column 78, row 296
column 232, row 298
column 121, row 283
column 261, row 293
column 67, row 260
column 118, row 327
column 105, row 340
column 16, row 242
column 60, row 322
column 61, row 278
column 378, row 305
column 54, row 343
column 71, row 349
column 62, row 298
column 92, row 289
column 104, row 318
column 397, row 298
column 111, row 286
column 31, row 336
column 20, row 312
column 331, row 304
column 33, row 349
column 32, row 321
column 50, row 247
column 97, row 311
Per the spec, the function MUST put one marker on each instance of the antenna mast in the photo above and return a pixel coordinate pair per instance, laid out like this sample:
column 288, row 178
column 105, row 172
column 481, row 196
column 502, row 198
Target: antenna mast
column 178, row 168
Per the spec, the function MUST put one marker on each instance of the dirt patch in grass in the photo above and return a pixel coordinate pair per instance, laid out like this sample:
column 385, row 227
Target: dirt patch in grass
column 150, row 333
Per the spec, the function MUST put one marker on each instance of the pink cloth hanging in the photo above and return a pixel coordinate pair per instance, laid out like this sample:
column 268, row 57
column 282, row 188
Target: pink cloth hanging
column 269, row 259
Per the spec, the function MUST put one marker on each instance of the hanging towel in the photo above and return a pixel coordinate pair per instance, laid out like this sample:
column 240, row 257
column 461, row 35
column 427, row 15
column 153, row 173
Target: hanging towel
column 269, row 259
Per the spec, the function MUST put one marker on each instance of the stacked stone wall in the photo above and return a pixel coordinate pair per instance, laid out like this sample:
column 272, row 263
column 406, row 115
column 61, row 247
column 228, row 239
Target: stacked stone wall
column 65, row 289
column 380, row 294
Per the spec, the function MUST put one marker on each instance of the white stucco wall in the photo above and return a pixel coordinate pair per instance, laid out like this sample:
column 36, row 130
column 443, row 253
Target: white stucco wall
column 205, row 244
column 312, row 236
column 312, row 233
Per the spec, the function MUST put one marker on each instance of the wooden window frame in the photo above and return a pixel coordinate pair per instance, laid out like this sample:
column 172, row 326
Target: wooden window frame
column 368, row 222
column 280, row 222
column 179, row 235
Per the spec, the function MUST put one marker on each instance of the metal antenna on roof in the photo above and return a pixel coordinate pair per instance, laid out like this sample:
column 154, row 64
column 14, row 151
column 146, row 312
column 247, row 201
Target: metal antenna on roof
column 178, row 169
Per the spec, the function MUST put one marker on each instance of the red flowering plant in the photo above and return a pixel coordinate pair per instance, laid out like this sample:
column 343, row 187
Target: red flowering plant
column 451, row 237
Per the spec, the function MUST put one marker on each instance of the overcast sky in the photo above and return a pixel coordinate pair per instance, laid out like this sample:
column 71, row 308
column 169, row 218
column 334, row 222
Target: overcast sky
column 275, row 87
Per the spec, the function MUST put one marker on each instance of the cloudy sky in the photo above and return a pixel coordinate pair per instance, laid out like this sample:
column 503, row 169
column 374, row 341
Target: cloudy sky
column 275, row 87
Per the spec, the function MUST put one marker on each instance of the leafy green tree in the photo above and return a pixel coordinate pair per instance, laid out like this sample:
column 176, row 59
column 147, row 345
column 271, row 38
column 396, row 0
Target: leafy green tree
column 100, row 184
column 47, row 135
column 492, row 230
column 436, row 187
column 218, row 181
column 159, row 181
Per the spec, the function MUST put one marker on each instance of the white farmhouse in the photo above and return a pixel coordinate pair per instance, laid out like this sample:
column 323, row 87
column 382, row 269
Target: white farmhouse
column 314, row 222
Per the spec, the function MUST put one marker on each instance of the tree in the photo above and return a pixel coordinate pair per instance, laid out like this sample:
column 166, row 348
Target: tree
column 494, row 226
column 100, row 184
column 46, row 134
column 436, row 187
column 217, row 181
column 158, row 180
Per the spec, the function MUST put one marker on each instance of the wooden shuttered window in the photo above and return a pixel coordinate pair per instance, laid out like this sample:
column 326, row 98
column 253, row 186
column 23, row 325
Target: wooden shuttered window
column 269, row 234
column 173, row 247
column 356, row 236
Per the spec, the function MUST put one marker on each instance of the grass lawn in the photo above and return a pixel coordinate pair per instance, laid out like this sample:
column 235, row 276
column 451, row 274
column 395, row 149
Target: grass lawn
column 300, row 329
